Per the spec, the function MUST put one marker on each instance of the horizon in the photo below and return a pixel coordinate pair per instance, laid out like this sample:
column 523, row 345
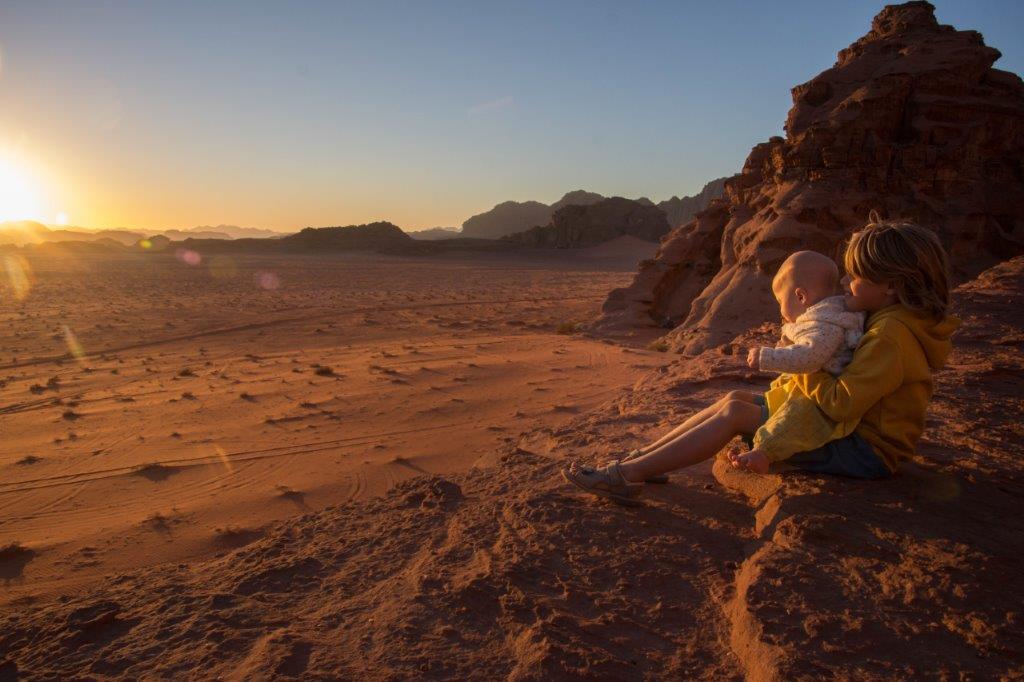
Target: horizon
column 155, row 118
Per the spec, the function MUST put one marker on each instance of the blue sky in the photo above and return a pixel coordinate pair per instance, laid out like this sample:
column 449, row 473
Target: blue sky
column 281, row 115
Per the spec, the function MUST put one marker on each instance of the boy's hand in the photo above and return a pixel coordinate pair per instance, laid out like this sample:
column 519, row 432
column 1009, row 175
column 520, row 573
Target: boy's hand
column 752, row 358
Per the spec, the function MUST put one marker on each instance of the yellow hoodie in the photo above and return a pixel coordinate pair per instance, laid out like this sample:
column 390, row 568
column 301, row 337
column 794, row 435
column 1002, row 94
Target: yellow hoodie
column 888, row 384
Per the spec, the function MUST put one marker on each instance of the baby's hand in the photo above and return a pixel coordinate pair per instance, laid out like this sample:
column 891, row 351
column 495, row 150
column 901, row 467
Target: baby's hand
column 752, row 358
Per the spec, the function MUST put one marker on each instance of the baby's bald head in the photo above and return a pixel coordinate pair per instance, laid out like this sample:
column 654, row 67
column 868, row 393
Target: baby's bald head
column 805, row 278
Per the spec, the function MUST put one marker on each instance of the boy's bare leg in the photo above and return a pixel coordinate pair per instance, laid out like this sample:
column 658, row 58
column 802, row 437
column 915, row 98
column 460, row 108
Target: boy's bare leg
column 698, row 444
column 699, row 418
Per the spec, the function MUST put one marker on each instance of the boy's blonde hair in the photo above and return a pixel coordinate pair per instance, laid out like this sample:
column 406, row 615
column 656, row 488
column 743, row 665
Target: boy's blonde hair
column 906, row 255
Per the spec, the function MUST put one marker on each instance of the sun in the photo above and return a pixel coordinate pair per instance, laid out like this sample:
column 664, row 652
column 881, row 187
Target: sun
column 19, row 197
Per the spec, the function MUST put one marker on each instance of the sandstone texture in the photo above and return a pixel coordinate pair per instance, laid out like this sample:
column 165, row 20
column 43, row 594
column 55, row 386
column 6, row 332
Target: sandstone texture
column 912, row 120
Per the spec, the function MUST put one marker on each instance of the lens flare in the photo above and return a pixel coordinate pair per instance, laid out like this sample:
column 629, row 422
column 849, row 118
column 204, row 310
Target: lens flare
column 145, row 244
column 74, row 347
column 224, row 458
column 188, row 257
column 19, row 275
column 267, row 280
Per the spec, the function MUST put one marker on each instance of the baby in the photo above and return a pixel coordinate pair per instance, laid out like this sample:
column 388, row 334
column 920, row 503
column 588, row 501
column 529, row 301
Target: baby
column 818, row 333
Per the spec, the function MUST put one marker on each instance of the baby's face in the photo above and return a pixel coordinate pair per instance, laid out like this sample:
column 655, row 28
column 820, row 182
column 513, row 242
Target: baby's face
column 794, row 300
column 791, row 304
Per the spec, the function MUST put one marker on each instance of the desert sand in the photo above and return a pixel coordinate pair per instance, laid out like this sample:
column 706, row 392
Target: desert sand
column 478, row 560
column 209, row 400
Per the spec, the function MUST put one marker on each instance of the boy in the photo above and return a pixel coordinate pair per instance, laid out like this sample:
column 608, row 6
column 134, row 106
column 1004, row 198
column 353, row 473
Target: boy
column 819, row 334
column 897, row 273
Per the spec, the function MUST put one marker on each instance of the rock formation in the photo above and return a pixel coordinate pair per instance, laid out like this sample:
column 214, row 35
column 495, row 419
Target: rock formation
column 577, row 197
column 378, row 236
column 506, row 218
column 511, row 217
column 680, row 210
column 573, row 226
column 356, row 237
column 911, row 120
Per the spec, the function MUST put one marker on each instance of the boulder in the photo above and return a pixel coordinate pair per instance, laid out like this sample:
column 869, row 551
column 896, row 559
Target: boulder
column 912, row 120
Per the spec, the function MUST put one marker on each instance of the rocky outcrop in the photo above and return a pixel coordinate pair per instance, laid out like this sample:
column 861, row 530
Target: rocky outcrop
column 911, row 120
column 511, row 217
column 506, row 218
column 680, row 210
column 577, row 197
column 380, row 236
column 575, row 226
column 353, row 237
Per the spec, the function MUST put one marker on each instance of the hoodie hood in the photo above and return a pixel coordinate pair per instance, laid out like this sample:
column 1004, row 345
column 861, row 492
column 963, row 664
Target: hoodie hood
column 934, row 336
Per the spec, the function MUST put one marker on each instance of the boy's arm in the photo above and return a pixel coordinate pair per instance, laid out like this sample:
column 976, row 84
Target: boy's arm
column 808, row 353
column 875, row 371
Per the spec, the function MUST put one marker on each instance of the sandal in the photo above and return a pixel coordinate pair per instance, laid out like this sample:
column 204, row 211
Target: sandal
column 657, row 478
column 604, row 482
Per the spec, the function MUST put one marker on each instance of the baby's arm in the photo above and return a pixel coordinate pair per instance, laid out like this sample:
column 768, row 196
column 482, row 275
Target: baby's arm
column 809, row 351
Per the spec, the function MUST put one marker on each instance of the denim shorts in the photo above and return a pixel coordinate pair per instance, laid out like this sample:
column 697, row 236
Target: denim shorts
column 851, row 456
column 758, row 400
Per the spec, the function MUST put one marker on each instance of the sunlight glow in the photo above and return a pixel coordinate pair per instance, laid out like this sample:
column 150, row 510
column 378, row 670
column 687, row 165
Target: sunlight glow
column 62, row 218
column 19, row 198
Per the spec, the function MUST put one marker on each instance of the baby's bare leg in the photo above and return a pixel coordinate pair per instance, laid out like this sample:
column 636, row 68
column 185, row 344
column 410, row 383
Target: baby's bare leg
column 698, row 444
column 698, row 419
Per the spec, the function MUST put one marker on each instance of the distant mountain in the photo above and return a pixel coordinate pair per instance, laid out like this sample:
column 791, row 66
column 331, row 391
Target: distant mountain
column 369, row 236
column 575, row 226
column 433, row 233
column 680, row 210
column 513, row 216
column 232, row 232
column 577, row 197
column 506, row 218
column 21, row 232
column 180, row 235
column 381, row 236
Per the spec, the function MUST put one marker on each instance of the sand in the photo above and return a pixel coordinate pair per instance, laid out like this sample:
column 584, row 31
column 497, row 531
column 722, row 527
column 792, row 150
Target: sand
column 208, row 406
column 494, row 568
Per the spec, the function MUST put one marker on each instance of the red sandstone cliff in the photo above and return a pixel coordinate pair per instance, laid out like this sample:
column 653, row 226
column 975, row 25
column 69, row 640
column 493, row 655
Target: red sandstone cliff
column 912, row 120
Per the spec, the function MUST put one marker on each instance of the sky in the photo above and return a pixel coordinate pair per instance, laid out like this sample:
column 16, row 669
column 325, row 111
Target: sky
column 285, row 115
